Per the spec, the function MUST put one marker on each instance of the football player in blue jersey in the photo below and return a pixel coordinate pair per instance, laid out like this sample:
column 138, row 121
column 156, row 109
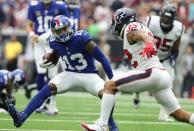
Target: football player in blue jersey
column 40, row 13
column 8, row 81
column 77, row 51
column 74, row 13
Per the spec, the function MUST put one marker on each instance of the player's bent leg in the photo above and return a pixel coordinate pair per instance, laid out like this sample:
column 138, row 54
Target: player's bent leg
column 97, row 90
column 183, row 116
column 111, row 122
column 36, row 102
column 168, row 100
column 107, row 104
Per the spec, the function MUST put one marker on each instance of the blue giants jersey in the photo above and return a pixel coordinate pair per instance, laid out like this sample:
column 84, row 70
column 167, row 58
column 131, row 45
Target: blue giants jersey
column 74, row 16
column 73, row 54
column 4, row 76
column 42, row 17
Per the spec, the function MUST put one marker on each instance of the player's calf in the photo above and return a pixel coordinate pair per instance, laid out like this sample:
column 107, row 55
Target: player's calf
column 183, row 116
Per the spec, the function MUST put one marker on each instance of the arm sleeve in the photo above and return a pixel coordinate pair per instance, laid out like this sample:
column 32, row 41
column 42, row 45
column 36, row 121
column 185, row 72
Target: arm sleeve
column 98, row 55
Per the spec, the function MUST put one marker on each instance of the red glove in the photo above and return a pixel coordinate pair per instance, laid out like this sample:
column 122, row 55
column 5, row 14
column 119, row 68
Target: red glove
column 148, row 50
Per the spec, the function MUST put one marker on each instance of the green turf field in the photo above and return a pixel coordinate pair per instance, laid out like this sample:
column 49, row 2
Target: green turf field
column 79, row 107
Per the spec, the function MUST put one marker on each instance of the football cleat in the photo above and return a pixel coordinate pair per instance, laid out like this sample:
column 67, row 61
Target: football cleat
column 136, row 103
column 18, row 118
column 52, row 112
column 166, row 119
column 94, row 127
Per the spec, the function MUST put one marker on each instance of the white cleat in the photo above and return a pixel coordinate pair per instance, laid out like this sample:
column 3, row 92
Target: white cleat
column 52, row 111
column 166, row 119
column 94, row 127
column 3, row 111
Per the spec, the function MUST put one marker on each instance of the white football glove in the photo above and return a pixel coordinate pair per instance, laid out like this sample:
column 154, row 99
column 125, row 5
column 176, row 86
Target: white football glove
column 46, row 64
column 44, row 37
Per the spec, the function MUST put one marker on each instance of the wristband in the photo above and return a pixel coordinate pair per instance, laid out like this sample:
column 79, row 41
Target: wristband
column 31, row 33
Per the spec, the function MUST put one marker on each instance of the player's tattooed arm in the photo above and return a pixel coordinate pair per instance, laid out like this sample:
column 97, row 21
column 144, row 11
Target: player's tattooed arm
column 139, row 35
column 90, row 47
column 29, row 26
column 94, row 50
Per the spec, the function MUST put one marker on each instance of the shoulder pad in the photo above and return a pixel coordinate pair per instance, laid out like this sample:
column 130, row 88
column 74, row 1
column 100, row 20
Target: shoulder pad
column 179, row 27
column 32, row 3
column 133, row 26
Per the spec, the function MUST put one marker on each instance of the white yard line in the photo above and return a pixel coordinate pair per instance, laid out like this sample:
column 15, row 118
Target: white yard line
column 33, row 130
column 118, row 121
column 116, row 114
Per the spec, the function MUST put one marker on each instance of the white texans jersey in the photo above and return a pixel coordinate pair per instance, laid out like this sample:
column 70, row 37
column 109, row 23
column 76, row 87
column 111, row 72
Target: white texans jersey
column 164, row 41
column 132, row 50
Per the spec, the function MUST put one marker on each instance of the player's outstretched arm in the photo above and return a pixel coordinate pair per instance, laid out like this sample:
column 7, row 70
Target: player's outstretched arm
column 94, row 50
column 146, row 37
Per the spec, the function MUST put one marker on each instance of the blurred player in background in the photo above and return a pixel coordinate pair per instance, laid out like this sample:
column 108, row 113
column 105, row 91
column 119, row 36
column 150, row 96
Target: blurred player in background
column 74, row 13
column 150, row 75
column 40, row 13
column 167, row 33
column 77, row 51
column 8, row 81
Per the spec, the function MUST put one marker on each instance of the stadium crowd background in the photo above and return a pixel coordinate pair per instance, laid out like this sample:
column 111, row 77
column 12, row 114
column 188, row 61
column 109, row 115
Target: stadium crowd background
column 16, row 49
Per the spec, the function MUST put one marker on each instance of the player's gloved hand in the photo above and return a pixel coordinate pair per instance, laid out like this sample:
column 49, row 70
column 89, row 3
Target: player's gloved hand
column 172, row 61
column 44, row 37
column 46, row 64
column 148, row 51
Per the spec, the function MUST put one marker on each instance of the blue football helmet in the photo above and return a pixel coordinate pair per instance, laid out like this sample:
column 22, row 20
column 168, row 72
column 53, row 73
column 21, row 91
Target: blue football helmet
column 61, row 28
column 18, row 77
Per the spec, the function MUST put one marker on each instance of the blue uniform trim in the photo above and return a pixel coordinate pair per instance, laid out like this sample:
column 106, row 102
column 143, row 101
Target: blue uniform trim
column 98, row 55
column 175, row 54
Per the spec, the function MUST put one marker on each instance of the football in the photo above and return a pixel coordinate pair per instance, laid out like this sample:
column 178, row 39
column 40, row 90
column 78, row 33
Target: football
column 51, row 57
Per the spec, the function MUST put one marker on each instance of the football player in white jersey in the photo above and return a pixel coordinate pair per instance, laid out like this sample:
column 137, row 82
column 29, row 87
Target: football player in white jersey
column 167, row 33
column 150, row 75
